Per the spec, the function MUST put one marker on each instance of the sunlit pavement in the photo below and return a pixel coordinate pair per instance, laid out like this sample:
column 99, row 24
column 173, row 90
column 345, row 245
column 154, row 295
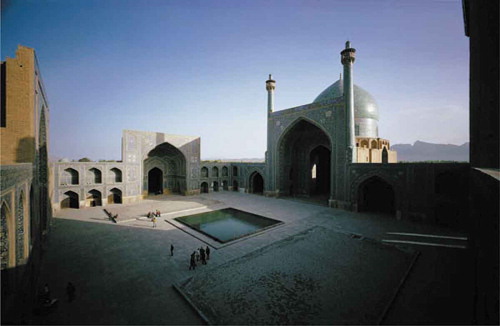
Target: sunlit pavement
column 124, row 273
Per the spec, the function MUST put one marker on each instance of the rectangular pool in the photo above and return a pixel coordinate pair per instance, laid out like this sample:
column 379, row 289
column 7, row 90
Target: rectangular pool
column 227, row 224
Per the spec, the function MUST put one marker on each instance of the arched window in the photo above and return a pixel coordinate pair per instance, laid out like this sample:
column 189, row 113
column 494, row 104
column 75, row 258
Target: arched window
column 374, row 144
column 385, row 155
column 215, row 172
column 96, row 175
column 116, row 175
column 204, row 172
column 235, row 171
column 224, row 171
column 69, row 177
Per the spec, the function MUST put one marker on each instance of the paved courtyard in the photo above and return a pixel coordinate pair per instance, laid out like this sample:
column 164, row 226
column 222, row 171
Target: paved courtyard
column 331, row 265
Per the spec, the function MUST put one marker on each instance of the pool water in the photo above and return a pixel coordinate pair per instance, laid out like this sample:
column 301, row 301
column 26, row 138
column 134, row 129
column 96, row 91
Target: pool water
column 227, row 224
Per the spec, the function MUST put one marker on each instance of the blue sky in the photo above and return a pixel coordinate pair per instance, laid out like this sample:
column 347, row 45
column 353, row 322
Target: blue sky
column 199, row 67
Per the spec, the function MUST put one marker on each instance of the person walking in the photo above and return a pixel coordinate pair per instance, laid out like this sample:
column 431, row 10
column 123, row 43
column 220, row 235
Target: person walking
column 154, row 222
column 171, row 249
column 202, row 255
column 192, row 262
column 207, row 251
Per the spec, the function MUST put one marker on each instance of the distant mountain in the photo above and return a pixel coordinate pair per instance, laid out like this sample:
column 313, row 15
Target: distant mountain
column 422, row 151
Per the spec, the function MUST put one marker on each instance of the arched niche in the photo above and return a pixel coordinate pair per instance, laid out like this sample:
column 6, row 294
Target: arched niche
column 256, row 183
column 172, row 162
column 95, row 175
column 376, row 195
column 70, row 200
column 116, row 175
column 115, row 196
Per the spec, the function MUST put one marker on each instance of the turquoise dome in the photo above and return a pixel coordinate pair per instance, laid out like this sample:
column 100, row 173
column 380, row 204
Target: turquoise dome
column 364, row 103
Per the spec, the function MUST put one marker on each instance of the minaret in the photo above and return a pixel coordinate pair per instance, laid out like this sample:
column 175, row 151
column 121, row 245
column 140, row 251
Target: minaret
column 348, row 55
column 270, row 86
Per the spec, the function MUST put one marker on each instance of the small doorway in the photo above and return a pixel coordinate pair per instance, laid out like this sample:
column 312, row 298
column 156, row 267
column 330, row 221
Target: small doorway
column 71, row 200
column 94, row 198
column 204, row 187
column 256, row 184
column 115, row 196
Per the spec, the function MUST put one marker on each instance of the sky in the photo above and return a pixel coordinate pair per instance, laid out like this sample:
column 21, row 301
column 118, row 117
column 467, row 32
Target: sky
column 198, row 67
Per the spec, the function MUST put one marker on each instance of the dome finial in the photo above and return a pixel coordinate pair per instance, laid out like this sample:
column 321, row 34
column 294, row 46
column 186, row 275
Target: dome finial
column 347, row 44
column 270, row 76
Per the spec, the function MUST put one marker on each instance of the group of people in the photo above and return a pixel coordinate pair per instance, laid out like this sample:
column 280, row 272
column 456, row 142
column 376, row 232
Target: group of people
column 154, row 214
column 197, row 255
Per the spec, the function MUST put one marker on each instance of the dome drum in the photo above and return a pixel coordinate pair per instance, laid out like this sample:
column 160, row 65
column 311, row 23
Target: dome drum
column 366, row 127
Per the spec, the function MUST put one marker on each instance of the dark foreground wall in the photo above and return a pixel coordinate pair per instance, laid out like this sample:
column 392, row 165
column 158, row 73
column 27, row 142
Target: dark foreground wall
column 485, row 241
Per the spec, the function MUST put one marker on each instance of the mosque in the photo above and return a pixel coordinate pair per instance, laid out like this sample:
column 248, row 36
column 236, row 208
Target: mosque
column 328, row 151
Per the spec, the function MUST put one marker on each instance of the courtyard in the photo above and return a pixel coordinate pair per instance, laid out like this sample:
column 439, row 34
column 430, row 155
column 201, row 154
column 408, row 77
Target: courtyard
column 320, row 266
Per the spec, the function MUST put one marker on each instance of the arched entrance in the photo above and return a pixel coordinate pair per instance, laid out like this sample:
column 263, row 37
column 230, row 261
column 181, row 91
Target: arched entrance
column 155, row 181
column 376, row 195
column 224, row 185
column 204, row 187
column 216, row 186
column 235, row 185
column 302, row 148
column 94, row 198
column 170, row 161
column 256, row 183
column 115, row 196
column 71, row 200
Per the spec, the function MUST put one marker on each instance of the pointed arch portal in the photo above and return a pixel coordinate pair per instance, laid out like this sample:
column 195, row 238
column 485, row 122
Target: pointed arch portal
column 302, row 148
column 165, row 170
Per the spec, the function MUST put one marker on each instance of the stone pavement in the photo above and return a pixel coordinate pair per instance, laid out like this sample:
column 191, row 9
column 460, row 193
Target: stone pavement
column 124, row 275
